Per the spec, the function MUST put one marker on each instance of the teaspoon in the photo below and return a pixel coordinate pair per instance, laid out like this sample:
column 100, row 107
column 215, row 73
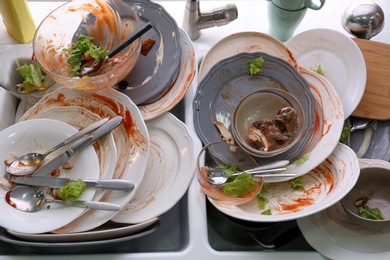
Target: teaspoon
column 31, row 199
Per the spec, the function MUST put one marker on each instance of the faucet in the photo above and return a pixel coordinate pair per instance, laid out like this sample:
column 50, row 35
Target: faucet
column 194, row 20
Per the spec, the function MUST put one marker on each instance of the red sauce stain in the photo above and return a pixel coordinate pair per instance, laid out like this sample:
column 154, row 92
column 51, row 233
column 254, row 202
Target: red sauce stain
column 8, row 199
column 299, row 204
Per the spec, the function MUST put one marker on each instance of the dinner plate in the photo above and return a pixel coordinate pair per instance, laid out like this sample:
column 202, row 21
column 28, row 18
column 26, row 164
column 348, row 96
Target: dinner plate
column 229, row 80
column 75, row 247
column 244, row 42
column 169, row 172
column 41, row 135
column 177, row 90
column 157, row 70
column 108, row 230
column 335, row 236
column 131, row 141
column 323, row 186
column 79, row 118
column 340, row 59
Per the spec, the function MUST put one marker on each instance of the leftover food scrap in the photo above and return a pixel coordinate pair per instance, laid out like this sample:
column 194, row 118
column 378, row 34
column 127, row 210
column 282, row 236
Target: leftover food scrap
column 255, row 66
column 33, row 78
column 72, row 190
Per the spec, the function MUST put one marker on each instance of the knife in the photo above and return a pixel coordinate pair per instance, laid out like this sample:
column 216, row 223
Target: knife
column 84, row 142
column 57, row 182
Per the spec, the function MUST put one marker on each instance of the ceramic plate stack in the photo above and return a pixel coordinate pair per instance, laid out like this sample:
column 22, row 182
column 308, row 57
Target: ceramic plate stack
column 225, row 79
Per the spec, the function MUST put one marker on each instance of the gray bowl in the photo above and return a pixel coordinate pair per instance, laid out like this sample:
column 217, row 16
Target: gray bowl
column 374, row 180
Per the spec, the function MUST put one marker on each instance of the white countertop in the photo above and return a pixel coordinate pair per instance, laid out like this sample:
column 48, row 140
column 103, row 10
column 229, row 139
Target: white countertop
column 252, row 16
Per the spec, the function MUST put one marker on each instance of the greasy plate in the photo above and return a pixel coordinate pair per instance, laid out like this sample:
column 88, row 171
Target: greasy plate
column 323, row 186
column 229, row 80
column 131, row 141
column 40, row 135
column 106, row 231
column 177, row 90
column 74, row 247
column 341, row 61
column 334, row 235
column 157, row 70
column 169, row 172
column 79, row 118
column 244, row 42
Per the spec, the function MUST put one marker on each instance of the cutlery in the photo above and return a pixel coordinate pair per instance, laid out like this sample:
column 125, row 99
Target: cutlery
column 57, row 182
column 28, row 163
column 91, row 68
column 31, row 199
column 87, row 140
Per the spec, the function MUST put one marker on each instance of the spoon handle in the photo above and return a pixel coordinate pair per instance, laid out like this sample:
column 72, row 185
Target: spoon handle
column 78, row 135
column 130, row 40
column 88, row 204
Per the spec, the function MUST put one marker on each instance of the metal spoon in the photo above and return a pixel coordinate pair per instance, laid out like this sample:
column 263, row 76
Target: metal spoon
column 358, row 124
column 93, row 67
column 31, row 199
column 363, row 19
column 28, row 163
column 219, row 177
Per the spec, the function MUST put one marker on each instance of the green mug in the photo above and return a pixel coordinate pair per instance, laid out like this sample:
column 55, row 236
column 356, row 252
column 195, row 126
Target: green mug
column 295, row 5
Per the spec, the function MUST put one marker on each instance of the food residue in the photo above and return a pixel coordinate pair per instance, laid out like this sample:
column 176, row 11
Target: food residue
column 240, row 186
column 367, row 212
column 255, row 66
column 71, row 191
column 267, row 135
column 33, row 78
column 147, row 45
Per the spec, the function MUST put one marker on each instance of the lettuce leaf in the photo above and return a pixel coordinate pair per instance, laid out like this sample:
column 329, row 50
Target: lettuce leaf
column 255, row 66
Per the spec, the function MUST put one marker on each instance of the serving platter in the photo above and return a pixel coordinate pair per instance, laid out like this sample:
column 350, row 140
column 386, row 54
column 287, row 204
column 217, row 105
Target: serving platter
column 157, row 70
column 333, row 234
column 323, row 186
column 168, row 174
column 244, row 42
column 26, row 137
column 228, row 81
column 340, row 59
column 177, row 90
column 131, row 141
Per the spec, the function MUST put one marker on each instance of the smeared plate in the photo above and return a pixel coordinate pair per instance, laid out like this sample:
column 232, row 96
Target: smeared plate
column 335, row 236
column 177, row 90
column 157, row 70
column 79, row 118
column 341, row 61
column 131, row 141
column 169, row 172
column 41, row 135
column 244, row 42
column 108, row 230
column 323, row 186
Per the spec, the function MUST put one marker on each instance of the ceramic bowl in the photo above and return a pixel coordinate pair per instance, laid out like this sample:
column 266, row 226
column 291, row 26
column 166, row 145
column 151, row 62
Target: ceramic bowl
column 223, row 154
column 280, row 110
column 12, row 56
column 371, row 191
column 108, row 21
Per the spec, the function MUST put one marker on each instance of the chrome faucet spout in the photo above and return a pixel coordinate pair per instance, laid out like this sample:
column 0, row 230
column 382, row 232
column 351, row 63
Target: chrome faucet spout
column 195, row 20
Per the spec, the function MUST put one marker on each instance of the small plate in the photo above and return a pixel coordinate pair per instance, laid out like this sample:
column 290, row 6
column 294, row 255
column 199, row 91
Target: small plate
column 324, row 186
column 79, row 118
column 341, row 61
column 228, row 81
column 244, row 42
column 131, row 141
column 334, row 235
column 177, row 90
column 108, row 230
column 157, row 70
column 40, row 135
column 170, row 169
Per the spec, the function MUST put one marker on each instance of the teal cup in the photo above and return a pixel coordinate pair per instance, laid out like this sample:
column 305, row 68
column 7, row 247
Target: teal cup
column 295, row 5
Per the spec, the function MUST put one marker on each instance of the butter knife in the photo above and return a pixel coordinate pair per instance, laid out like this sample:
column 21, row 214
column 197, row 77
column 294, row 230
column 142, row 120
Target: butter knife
column 57, row 182
column 84, row 142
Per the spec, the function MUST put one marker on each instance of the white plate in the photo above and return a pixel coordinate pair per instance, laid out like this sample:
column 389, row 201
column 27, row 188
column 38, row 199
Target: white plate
column 105, row 231
column 40, row 135
column 324, row 186
column 79, row 118
column 179, row 87
column 341, row 61
column 244, row 42
column 131, row 141
column 334, row 235
column 169, row 172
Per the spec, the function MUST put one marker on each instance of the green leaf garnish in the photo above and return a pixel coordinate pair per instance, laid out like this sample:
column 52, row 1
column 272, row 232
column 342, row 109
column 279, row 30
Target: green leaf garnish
column 266, row 212
column 303, row 159
column 296, row 184
column 33, row 79
column 319, row 70
column 255, row 66
column 344, row 134
column 370, row 213
column 240, row 186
